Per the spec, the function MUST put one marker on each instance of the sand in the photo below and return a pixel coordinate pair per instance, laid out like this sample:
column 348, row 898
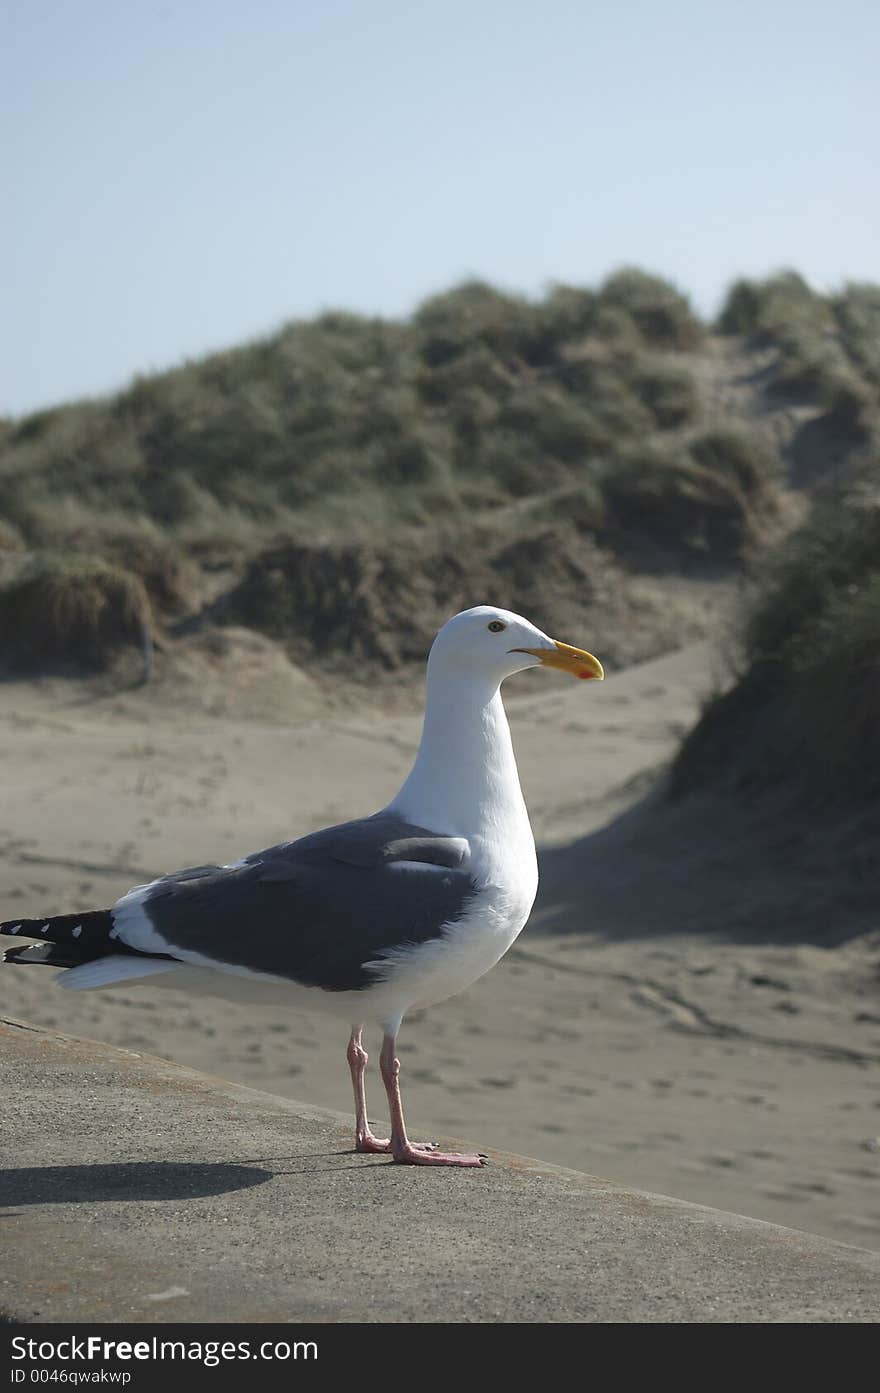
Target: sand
column 672, row 1018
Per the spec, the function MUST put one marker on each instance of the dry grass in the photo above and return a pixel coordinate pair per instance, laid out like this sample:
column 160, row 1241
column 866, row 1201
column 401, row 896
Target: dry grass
column 75, row 613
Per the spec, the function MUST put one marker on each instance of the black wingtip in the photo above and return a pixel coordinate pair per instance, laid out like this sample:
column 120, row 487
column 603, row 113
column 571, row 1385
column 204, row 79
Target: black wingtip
column 63, row 940
column 14, row 926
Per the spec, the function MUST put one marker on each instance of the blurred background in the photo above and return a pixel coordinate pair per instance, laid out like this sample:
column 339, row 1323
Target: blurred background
column 324, row 322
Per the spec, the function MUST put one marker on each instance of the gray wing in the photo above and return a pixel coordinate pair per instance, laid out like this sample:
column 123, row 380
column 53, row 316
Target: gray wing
column 317, row 909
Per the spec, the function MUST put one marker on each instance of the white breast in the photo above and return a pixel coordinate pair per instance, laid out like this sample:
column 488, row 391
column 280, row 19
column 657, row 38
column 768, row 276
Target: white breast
column 411, row 977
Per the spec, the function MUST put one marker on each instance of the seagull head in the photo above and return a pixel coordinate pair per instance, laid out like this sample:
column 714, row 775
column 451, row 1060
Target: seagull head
column 495, row 643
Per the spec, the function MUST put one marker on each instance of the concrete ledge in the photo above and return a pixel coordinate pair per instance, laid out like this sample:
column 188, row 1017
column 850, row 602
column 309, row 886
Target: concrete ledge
column 137, row 1190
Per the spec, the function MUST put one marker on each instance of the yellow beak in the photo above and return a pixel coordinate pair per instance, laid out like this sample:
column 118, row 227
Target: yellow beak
column 574, row 660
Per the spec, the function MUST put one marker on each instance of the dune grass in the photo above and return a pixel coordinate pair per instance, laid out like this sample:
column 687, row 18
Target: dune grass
column 483, row 410
column 72, row 613
column 828, row 347
column 479, row 398
column 804, row 711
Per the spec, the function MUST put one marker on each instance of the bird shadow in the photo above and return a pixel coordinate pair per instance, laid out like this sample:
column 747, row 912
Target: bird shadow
column 126, row 1180
column 149, row 1180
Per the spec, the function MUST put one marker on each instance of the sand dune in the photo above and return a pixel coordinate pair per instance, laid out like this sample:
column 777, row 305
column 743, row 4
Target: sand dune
column 674, row 1017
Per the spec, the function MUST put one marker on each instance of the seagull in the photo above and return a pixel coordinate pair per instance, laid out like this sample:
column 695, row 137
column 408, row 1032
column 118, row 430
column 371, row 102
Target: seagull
column 371, row 918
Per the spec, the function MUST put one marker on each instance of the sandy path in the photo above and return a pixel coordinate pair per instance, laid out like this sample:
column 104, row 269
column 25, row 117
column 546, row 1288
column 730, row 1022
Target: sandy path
column 723, row 1071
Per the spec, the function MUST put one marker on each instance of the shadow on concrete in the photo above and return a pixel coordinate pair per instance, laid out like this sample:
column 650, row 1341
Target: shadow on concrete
column 125, row 1180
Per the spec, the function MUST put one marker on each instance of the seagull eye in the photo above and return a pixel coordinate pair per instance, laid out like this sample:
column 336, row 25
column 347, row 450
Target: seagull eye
column 496, row 627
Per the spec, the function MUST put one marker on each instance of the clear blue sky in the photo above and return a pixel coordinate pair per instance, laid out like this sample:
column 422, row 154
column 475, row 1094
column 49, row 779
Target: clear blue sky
column 182, row 174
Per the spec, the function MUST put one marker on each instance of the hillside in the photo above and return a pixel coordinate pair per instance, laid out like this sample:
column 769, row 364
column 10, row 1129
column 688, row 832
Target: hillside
column 598, row 458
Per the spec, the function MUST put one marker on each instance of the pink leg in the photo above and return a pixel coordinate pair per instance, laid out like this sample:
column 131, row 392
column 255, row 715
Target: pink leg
column 363, row 1137
column 403, row 1150
column 357, row 1062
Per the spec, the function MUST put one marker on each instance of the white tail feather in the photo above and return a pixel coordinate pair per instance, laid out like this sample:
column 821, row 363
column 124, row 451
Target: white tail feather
column 116, row 967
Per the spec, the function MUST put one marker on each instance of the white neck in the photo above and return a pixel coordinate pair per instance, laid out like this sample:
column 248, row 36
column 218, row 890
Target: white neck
column 464, row 781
